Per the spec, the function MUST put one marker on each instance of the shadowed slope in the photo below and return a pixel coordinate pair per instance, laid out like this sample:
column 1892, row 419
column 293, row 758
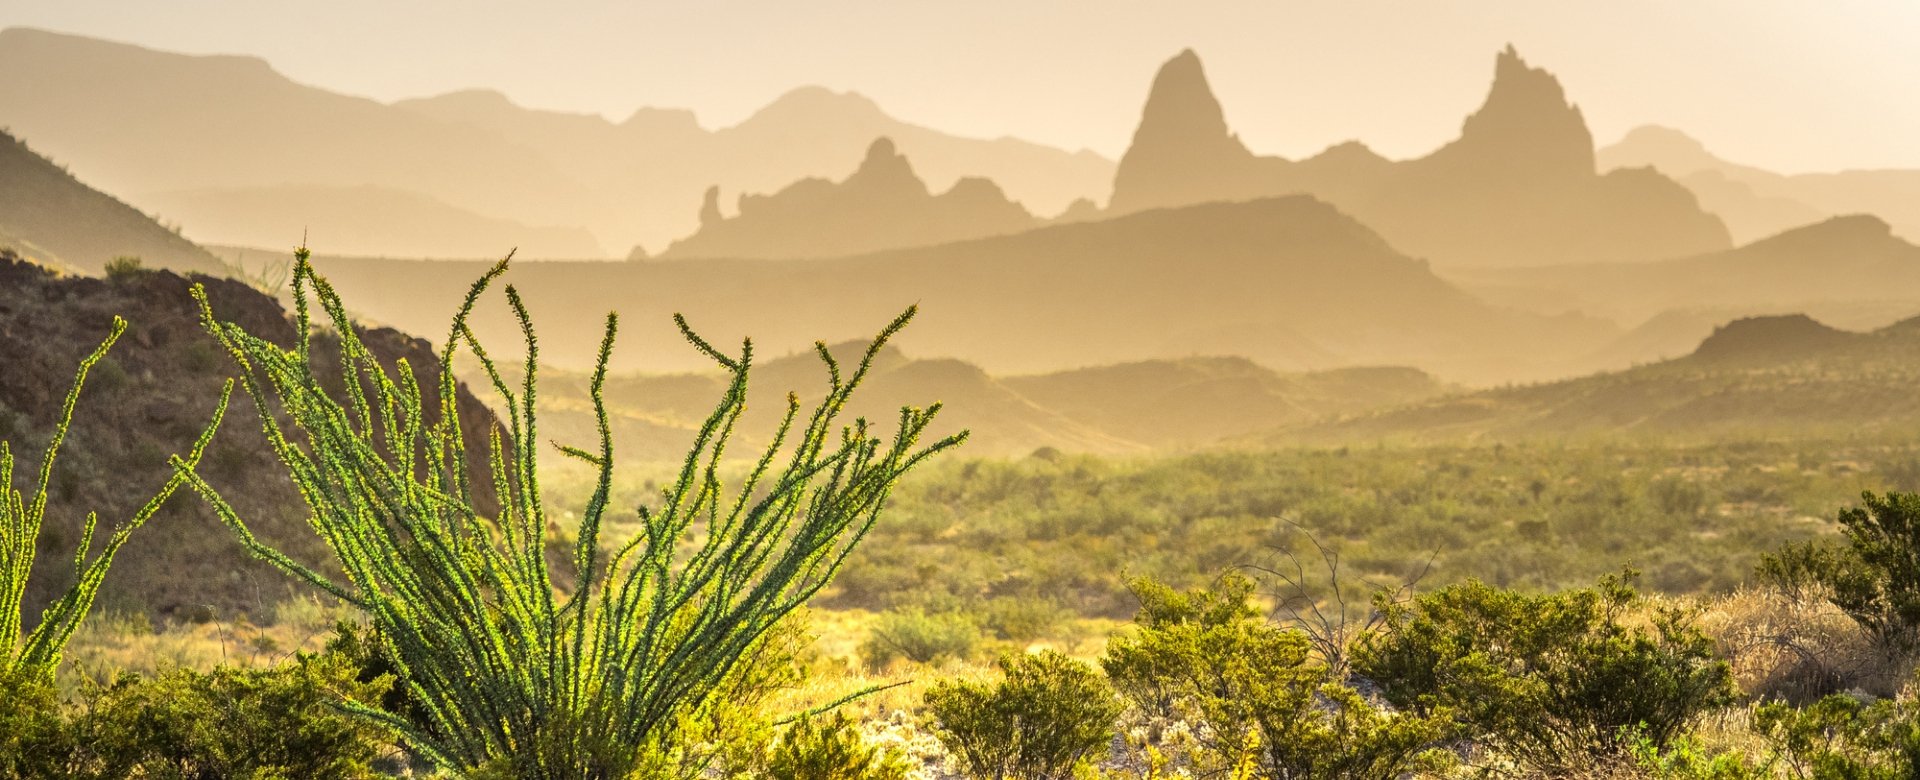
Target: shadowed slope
column 48, row 215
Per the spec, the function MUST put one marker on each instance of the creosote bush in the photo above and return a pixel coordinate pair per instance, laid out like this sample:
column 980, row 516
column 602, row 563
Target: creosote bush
column 1874, row 577
column 1554, row 683
column 1049, row 717
column 1250, row 696
column 830, row 748
column 512, row 674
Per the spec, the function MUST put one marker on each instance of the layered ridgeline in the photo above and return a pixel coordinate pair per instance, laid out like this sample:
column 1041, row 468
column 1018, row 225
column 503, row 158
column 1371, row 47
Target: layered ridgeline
column 1763, row 377
column 1851, row 271
column 48, row 215
column 1757, row 203
column 1132, row 408
column 1291, row 283
column 881, row 205
column 147, row 400
column 1520, row 186
column 216, row 136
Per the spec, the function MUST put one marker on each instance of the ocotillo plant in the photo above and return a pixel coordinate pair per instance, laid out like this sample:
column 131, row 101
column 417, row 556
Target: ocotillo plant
column 21, row 517
column 512, row 674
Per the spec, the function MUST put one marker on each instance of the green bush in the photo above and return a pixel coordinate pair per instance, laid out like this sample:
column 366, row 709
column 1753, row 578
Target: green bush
column 280, row 722
column 1048, row 718
column 34, row 739
column 830, row 748
column 1553, row 682
column 920, row 637
column 123, row 266
column 1686, row 759
column 1250, row 695
column 1874, row 577
column 1842, row 737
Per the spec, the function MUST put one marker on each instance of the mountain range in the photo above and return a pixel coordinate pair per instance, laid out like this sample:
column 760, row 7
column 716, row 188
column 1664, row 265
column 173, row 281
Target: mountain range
column 1776, row 376
column 1290, row 282
column 216, row 132
column 1755, row 202
column 1850, row 270
column 60, row 222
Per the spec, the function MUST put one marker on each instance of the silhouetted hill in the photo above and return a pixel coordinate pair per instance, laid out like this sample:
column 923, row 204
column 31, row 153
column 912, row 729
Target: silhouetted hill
column 142, row 122
column 232, row 123
column 1850, row 269
column 149, row 399
column 1195, row 401
column 1756, row 202
column 365, row 220
column 1119, row 290
column 47, row 214
column 1120, row 409
column 1784, row 376
column 882, row 205
column 1518, row 187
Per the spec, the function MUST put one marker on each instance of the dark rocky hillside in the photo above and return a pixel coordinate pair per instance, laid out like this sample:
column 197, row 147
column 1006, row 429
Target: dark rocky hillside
column 146, row 401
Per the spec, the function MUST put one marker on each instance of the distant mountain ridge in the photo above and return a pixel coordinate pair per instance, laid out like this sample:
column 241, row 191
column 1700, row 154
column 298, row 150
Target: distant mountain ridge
column 1786, row 375
column 1135, row 408
column 1518, row 187
column 222, row 123
column 50, row 216
column 1757, row 203
column 882, row 205
column 1314, row 287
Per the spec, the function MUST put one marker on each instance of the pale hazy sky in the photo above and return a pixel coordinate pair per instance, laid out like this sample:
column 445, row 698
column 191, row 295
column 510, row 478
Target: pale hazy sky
column 1794, row 86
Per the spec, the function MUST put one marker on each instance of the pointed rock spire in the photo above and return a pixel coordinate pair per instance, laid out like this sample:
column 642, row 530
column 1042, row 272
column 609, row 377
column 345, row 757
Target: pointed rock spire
column 1182, row 145
column 1526, row 126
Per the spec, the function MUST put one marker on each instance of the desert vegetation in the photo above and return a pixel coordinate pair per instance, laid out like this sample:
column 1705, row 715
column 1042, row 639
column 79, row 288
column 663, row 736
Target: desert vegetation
column 1604, row 608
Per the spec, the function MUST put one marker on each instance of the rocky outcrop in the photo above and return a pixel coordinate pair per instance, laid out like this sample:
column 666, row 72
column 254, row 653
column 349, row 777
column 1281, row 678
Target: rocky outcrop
column 882, row 205
column 1518, row 187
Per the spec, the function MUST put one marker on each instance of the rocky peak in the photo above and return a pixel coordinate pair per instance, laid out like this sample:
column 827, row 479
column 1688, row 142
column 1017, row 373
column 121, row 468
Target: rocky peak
column 1526, row 126
column 885, row 170
column 1182, row 139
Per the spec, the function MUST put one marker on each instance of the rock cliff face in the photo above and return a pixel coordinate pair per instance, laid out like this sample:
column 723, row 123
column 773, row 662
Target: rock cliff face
column 882, row 205
column 1518, row 187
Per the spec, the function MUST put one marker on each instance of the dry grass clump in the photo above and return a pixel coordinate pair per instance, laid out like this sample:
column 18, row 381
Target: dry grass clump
column 1797, row 646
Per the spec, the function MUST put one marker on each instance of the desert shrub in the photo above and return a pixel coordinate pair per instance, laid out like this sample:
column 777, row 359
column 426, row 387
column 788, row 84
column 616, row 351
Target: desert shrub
column 1796, row 646
column 920, row 637
column 1553, row 682
column 1843, row 737
column 278, row 722
column 830, row 748
column 1250, row 695
column 34, row 739
column 1019, row 619
column 1686, row 758
column 1047, row 718
column 515, row 673
column 1874, row 576
column 35, row 654
column 123, row 266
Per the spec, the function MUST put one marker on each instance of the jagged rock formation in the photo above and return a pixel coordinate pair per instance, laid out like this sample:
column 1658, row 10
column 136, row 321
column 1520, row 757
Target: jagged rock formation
column 882, row 205
column 50, row 216
column 1518, row 187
